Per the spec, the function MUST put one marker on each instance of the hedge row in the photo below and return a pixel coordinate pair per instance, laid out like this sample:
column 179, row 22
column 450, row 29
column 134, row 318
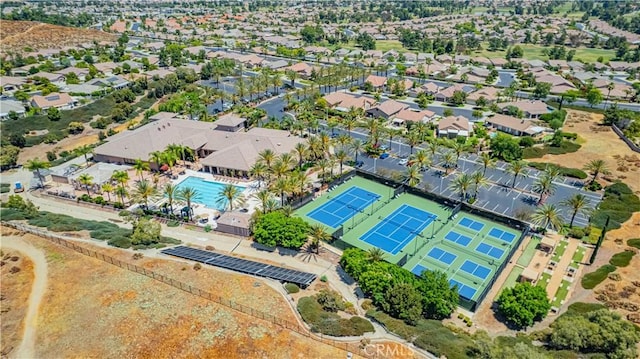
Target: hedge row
column 565, row 171
column 537, row 152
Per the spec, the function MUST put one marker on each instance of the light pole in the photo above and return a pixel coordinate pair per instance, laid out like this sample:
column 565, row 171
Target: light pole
column 513, row 201
column 441, row 182
column 374, row 164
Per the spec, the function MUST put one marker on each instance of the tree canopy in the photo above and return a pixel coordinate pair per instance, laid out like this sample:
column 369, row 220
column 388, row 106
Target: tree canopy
column 523, row 304
column 276, row 229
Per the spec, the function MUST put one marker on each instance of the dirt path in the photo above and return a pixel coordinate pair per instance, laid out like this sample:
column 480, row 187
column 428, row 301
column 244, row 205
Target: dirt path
column 27, row 347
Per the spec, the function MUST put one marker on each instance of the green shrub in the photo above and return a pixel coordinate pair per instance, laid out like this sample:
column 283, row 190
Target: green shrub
column 591, row 280
column 291, row 288
column 120, row 242
column 331, row 323
column 11, row 214
column 330, row 300
column 174, row 223
column 594, row 186
column 565, row 171
column 622, row 259
column 618, row 203
column 85, row 198
column 537, row 152
column 323, row 278
column 634, row 242
column 580, row 308
column 577, row 232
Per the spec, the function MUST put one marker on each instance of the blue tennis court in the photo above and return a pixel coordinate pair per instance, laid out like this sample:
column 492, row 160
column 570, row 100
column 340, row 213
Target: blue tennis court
column 442, row 255
column 471, row 224
column 475, row 269
column 458, row 238
column 418, row 269
column 338, row 209
column 393, row 233
column 502, row 235
column 490, row 250
column 464, row 290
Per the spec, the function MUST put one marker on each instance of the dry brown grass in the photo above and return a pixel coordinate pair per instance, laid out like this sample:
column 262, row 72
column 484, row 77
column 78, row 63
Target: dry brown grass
column 16, row 275
column 16, row 36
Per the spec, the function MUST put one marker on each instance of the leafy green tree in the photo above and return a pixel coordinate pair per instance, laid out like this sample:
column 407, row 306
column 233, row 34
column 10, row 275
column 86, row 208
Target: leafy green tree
column 146, row 232
column 542, row 90
column 53, row 114
column 523, row 304
column 594, row 97
column 276, row 229
column 403, row 301
column 8, row 156
column 439, row 299
column 505, row 147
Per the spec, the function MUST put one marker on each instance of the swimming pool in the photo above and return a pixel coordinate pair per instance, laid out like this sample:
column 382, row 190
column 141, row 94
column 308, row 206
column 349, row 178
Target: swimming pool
column 208, row 191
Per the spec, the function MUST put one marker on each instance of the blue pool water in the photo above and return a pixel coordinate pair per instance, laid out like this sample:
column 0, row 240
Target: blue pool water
column 208, row 191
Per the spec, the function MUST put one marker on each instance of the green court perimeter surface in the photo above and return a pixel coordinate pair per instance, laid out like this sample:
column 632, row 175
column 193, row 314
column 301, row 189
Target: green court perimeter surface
column 561, row 294
column 543, row 280
column 512, row 279
column 432, row 236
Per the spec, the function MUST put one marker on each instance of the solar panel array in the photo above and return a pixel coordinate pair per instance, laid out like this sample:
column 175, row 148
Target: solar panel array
column 302, row 279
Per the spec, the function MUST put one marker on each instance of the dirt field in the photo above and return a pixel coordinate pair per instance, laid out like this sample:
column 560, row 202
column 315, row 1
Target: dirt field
column 16, row 275
column 598, row 142
column 15, row 36
column 103, row 305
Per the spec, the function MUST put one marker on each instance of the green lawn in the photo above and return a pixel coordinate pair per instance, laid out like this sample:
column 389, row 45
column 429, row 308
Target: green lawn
column 621, row 259
column 529, row 252
column 635, row 242
column 578, row 256
column 513, row 277
column 591, row 280
column 543, row 280
column 534, row 52
column 561, row 293
column 560, row 248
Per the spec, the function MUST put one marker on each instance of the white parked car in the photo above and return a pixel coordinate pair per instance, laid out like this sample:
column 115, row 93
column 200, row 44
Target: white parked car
column 404, row 161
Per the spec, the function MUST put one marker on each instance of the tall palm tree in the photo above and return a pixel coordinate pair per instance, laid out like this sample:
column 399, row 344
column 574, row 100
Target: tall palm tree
column 372, row 124
column 121, row 191
column 461, row 184
column 412, row 175
column 170, row 158
column 157, row 157
column 448, row 161
column 317, row 235
column 267, row 156
column 230, row 195
column 299, row 182
column 577, row 203
column 375, row 255
column 282, row 186
column 122, row 177
column 108, row 188
column 170, row 191
column 413, row 139
column 349, row 123
column 87, row 181
column 84, row 151
column 322, row 164
column 263, row 197
column 517, row 168
column 143, row 191
column 325, row 143
column 301, row 150
column 35, row 165
column 188, row 194
column 547, row 215
column 258, row 171
column 544, row 186
column 459, row 149
column 280, row 168
column 597, row 167
column 433, row 147
column 140, row 166
column 314, row 148
column 356, row 147
column 487, row 161
column 341, row 156
column 421, row 159
column 479, row 181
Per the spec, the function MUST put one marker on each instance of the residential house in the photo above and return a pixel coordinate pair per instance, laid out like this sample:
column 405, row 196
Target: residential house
column 512, row 125
column 343, row 101
column 8, row 106
column 401, row 118
column 11, row 84
column 115, row 82
column 530, row 108
column 378, row 82
column 231, row 122
column 490, row 94
column 303, row 69
column 387, row 109
column 454, row 126
column 446, row 94
column 79, row 72
column 60, row 101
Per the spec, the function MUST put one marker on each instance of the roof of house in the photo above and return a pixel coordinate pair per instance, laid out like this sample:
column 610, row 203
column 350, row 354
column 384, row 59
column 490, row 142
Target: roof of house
column 376, row 81
column 7, row 106
column 52, row 100
column 459, row 123
column 510, row 122
column 235, row 219
column 389, row 107
column 534, row 107
column 231, row 120
column 11, row 80
column 488, row 93
column 413, row 115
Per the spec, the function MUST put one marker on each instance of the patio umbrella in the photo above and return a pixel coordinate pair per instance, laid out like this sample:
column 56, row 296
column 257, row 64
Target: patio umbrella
column 164, row 168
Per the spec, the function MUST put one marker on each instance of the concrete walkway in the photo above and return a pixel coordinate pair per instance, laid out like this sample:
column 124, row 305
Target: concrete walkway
column 561, row 269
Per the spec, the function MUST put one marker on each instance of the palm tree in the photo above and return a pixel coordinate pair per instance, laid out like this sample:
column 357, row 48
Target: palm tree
column 121, row 177
column 267, row 156
column 577, row 203
column 84, row 151
column 230, row 195
column 121, row 191
column 375, row 255
column 413, row 139
column 170, row 191
column 37, row 165
column 356, row 147
column 459, row 149
column 449, row 161
column 547, row 216
column 487, row 161
column 280, row 168
column 188, row 194
column 140, row 166
column 314, row 148
column 597, row 167
column 517, row 168
column 108, row 188
column 544, row 186
column 373, row 126
column 287, row 210
column 412, row 175
column 299, row 181
column 301, row 150
column 86, row 180
column 461, row 184
column 170, row 158
column 282, row 186
column 264, row 197
column 157, row 157
column 479, row 181
column 259, row 170
column 350, row 123
column 143, row 191
column 341, row 156
column 317, row 235
column 322, row 164
column 422, row 159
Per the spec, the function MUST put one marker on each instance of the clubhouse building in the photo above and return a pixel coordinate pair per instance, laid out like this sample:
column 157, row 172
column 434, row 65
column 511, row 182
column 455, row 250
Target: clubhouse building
column 224, row 147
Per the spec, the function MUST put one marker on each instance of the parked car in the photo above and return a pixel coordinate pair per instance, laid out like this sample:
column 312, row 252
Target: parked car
column 359, row 163
column 403, row 162
column 384, row 155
